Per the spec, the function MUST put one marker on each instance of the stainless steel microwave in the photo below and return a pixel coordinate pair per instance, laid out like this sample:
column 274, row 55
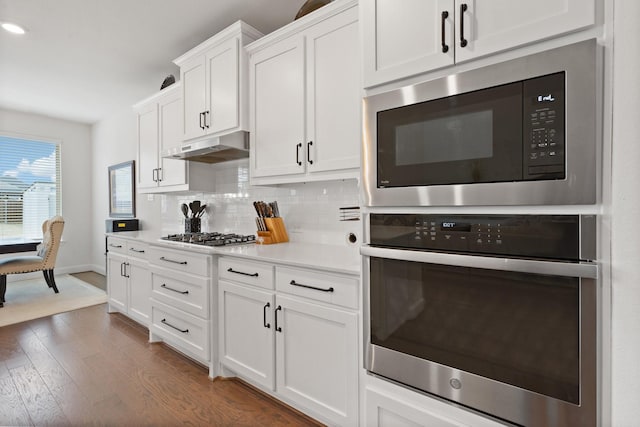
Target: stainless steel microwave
column 521, row 132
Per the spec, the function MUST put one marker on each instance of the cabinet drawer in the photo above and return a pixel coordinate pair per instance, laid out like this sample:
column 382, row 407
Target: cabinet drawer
column 137, row 249
column 182, row 330
column 117, row 245
column 190, row 293
column 188, row 262
column 320, row 286
column 250, row 272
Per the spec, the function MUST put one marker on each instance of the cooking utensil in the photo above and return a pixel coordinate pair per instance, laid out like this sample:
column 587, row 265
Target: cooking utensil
column 201, row 211
column 185, row 210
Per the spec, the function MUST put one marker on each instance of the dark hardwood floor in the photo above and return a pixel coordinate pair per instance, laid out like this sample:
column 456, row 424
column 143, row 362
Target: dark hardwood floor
column 88, row 367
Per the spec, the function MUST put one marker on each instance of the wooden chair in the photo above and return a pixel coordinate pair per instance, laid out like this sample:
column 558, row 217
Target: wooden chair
column 44, row 260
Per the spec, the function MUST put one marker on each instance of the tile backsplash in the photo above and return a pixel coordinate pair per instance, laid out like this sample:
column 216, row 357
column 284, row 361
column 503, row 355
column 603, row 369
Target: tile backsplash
column 311, row 211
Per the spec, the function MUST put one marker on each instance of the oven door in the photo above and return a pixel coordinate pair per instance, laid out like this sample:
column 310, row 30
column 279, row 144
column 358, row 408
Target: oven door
column 513, row 338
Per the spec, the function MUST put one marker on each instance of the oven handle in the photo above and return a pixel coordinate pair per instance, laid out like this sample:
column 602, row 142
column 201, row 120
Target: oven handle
column 586, row 270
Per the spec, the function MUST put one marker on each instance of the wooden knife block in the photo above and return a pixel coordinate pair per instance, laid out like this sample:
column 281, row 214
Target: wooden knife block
column 276, row 232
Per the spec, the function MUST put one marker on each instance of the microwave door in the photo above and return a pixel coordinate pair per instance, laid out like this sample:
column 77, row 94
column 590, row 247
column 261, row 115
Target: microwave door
column 468, row 138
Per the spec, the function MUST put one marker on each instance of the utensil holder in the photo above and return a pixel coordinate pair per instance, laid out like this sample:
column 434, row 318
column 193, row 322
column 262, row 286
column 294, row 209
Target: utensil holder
column 192, row 225
column 276, row 232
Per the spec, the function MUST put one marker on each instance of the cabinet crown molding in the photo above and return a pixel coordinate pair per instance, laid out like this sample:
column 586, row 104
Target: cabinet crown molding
column 301, row 24
column 233, row 30
column 174, row 87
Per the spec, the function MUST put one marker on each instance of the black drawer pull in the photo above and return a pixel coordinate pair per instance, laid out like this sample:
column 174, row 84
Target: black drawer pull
column 231, row 270
column 115, row 246
column 173, row 261
column 463, row 9
column 264, row 316
column 164, row 285
column 184, row 331
column 443, row 17
column 293, row 283
column 279, row 308
column 140, row 251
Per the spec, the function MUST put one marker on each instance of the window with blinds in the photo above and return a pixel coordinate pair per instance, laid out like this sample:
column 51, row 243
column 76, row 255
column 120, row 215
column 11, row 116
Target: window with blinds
column 29, row 187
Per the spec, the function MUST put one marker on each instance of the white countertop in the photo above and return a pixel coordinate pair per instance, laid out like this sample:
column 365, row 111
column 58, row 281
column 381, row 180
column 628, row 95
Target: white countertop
column 337, row 258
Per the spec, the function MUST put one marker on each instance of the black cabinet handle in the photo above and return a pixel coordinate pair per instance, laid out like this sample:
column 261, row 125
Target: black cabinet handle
column 231, row 270
column 153, row 175
column 206, row 123
column 278, row 329
column 115, row 246
column 159, row 174
column 298, row 147
column 444, row 16
column 173, row 261
column 309, row 144
column 122, row 269
column 264, row 316
column 140, row 251
column 201, row 117
column 164, row 285
column 463, row 9
column 293, row 283
column 126, row 264
column 184, row 331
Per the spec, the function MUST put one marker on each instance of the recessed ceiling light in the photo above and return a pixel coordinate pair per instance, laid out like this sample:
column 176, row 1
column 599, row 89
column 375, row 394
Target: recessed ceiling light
column 13, row 28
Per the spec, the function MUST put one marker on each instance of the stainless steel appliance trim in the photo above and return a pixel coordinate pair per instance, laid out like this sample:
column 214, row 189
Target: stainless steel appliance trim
column 553, row 268
column 492, row 397
column 582, row 63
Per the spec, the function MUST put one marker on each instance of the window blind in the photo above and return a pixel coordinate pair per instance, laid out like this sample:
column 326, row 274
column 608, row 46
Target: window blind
column 29, row 187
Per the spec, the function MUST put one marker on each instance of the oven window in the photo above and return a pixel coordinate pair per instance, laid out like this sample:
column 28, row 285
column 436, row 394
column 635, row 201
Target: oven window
column 517, row 328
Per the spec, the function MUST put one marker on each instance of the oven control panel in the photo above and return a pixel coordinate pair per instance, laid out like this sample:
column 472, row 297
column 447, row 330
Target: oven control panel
column 535, row 236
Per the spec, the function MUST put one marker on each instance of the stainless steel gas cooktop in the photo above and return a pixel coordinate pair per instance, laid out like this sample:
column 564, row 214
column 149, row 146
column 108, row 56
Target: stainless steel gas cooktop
column 211, row 239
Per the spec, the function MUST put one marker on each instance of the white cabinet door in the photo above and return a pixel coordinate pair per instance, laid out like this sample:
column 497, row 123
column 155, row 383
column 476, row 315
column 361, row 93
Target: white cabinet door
column 333, row 94
column 223, row 87
column 117, row 282
column 278, row 102
column 405, row 38
column 172, row 172
column 147, row 146
column 139, row 284
column 402, row 39
column 192, row 75
column 246, row 332
column 317, row 363
column 498, row 25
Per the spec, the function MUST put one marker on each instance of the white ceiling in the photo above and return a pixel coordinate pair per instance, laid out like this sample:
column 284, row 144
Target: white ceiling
column 83, row 60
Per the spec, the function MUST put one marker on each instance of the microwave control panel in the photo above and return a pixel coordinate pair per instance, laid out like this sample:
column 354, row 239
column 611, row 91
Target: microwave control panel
column 534, row 236
column 543, row 127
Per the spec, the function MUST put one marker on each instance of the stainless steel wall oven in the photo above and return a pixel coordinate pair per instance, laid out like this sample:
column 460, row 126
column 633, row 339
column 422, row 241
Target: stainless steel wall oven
column 520, row 132
column 495, row 312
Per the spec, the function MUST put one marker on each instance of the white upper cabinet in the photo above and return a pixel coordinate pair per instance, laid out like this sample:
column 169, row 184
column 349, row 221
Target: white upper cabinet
column 214, row 80
column 305, row 97
column 406, row 38
column 158, row 119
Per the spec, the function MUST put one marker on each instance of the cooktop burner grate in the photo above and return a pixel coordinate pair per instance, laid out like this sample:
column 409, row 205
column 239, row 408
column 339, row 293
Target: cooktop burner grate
column 211, row 239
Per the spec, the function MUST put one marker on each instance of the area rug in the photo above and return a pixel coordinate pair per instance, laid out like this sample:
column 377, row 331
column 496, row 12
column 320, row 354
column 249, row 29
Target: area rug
column 32, row 299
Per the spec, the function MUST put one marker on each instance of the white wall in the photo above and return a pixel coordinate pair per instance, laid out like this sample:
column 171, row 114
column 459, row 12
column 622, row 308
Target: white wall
column 75, row 140
column 114, row 141
column 625, row 209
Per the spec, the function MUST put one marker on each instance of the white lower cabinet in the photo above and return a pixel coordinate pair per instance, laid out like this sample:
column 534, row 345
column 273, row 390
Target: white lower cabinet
column 389, row 405
column 128, row 279
column 181, row 301
column 300, row 348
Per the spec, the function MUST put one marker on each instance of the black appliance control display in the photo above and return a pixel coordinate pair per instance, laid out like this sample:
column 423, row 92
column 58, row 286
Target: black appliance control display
column 544, row 141
column 532, row 236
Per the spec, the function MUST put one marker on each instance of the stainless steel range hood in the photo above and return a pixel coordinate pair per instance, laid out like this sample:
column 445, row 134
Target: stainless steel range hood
column 212, row 150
